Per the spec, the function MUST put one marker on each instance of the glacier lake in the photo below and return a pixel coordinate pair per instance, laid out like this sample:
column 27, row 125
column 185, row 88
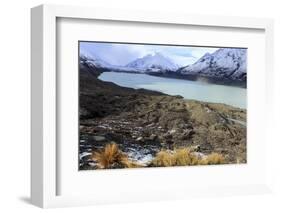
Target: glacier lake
column 195, row 90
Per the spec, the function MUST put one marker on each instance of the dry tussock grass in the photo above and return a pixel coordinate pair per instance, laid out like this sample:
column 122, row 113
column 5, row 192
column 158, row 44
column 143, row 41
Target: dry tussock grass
column 213, row 159
column 112, row 157
column 163, row 158
column 185, row 157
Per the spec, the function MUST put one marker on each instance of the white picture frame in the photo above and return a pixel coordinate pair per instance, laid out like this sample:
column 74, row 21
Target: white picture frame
column 44, row 101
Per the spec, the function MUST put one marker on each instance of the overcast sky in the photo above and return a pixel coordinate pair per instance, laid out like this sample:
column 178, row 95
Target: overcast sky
column 122, row 54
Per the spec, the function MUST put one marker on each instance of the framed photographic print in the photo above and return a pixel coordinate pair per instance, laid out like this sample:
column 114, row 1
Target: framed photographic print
column 130, row 106
column 151, row 105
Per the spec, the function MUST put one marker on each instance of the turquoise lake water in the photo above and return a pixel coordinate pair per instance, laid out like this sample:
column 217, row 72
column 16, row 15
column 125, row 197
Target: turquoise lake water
column 195, row 90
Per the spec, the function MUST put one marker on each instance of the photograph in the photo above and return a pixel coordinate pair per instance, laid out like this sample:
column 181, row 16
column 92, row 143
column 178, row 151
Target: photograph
column 161, row 105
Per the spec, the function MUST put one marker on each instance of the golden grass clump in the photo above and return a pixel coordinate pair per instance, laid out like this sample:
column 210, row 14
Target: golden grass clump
column 178, row 157
column 112, row 157
column 163, row 158
column 212, row 159
column 185, row 157
column 109, row 157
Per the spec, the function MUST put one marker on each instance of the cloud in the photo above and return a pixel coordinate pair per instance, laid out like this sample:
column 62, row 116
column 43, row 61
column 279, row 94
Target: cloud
column 122, row 54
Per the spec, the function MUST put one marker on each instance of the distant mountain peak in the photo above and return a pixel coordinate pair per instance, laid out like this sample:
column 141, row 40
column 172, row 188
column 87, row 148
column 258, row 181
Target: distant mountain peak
column 155, row 62
column 228, row 63
column 94, row 60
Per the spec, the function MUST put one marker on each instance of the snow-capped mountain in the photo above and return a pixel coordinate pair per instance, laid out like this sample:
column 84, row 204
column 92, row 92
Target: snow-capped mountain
column 227, row 63
column 93, row 60
column 224, row 66
column 153, row 63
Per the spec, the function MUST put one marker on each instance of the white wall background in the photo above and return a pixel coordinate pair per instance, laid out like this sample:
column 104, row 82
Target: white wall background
column 15, row 104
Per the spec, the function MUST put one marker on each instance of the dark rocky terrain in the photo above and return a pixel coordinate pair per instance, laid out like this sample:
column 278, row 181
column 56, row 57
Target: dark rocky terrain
column 143, row 122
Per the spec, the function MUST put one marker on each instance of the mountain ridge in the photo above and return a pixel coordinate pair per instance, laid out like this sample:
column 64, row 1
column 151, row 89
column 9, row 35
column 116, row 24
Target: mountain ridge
column 226, row 63
column 154, row 63
column 227, row 66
